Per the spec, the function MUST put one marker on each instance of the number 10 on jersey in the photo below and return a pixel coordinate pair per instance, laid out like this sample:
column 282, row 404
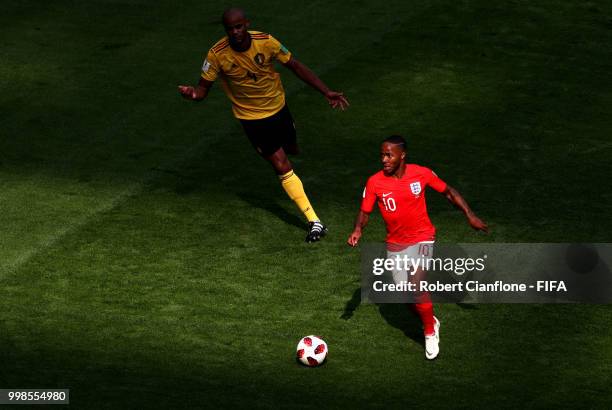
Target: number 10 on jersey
column 389, row 204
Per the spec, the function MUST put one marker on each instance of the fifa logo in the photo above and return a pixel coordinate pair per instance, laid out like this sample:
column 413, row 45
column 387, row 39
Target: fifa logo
column 415, row 187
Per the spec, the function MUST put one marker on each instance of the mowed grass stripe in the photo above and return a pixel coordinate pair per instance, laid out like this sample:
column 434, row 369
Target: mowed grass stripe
column 94, row 151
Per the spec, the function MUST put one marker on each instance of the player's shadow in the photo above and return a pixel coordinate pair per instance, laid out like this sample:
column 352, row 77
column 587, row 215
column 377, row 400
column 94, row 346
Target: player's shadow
column 264, row 202
column 397, row 315
column 351, row 305
column 401, row 317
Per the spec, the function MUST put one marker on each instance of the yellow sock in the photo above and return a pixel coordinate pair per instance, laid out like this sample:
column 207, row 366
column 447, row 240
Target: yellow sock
column 294, row 188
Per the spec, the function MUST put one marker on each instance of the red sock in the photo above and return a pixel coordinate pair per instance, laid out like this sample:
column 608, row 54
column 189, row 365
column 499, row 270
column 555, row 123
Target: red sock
column 426, row 313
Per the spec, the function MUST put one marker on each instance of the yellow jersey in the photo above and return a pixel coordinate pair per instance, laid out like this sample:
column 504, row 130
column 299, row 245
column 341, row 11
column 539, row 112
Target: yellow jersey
column 248, row 77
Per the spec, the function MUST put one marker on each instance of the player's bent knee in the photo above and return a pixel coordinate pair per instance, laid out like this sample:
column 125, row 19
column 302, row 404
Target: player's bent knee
column 280, row 162
column 282, row 168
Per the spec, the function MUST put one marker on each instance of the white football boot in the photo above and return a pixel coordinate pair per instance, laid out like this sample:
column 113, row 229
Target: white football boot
column 432, row 342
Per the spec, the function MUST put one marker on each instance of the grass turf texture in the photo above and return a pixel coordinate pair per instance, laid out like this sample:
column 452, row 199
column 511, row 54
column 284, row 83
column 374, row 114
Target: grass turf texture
column 150, row 259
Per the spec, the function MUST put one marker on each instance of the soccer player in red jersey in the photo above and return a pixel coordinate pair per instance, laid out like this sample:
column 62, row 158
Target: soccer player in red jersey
column 399, row 190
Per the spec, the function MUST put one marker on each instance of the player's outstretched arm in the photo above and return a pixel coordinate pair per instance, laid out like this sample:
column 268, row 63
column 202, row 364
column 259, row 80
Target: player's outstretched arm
column 455, row 198
column 197, row 93
column 334, row 98
column 360, row 223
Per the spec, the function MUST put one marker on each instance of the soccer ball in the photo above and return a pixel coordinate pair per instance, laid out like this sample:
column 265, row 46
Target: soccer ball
column 311, row 351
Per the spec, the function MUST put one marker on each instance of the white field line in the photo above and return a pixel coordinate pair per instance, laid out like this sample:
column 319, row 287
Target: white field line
column 132, row 190
column 73, row 226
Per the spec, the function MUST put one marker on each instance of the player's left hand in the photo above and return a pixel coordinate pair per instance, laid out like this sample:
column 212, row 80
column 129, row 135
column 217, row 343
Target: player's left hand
column 337, row 100
column 478, row 224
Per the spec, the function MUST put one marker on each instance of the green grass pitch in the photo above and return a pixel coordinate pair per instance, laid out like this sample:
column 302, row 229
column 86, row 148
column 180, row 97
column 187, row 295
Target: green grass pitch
column 150, row 259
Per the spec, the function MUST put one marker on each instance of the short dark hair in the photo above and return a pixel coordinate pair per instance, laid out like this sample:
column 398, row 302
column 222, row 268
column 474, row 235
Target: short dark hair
column 231, row 10
column 396, row 140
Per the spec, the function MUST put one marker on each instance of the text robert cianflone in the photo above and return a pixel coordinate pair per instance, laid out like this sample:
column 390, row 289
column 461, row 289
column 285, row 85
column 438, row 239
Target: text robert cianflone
column 409, row 264
column 469, row 286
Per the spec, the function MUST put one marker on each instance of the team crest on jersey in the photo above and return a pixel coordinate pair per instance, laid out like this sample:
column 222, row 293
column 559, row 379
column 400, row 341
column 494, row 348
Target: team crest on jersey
column 415, row 187
column 259, row 59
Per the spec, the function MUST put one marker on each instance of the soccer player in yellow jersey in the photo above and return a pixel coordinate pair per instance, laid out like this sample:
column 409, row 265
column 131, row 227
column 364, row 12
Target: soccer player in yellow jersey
column 244, row 62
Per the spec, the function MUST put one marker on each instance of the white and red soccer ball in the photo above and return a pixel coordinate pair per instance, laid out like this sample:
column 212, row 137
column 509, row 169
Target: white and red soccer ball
column 311, row 351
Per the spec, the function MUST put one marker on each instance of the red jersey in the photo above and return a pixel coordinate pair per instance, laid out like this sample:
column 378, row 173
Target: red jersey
column 402, row 203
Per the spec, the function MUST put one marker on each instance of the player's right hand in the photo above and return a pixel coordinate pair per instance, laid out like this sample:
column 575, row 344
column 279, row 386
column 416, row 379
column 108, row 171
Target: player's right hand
column 353, row 238
column 187, row 91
